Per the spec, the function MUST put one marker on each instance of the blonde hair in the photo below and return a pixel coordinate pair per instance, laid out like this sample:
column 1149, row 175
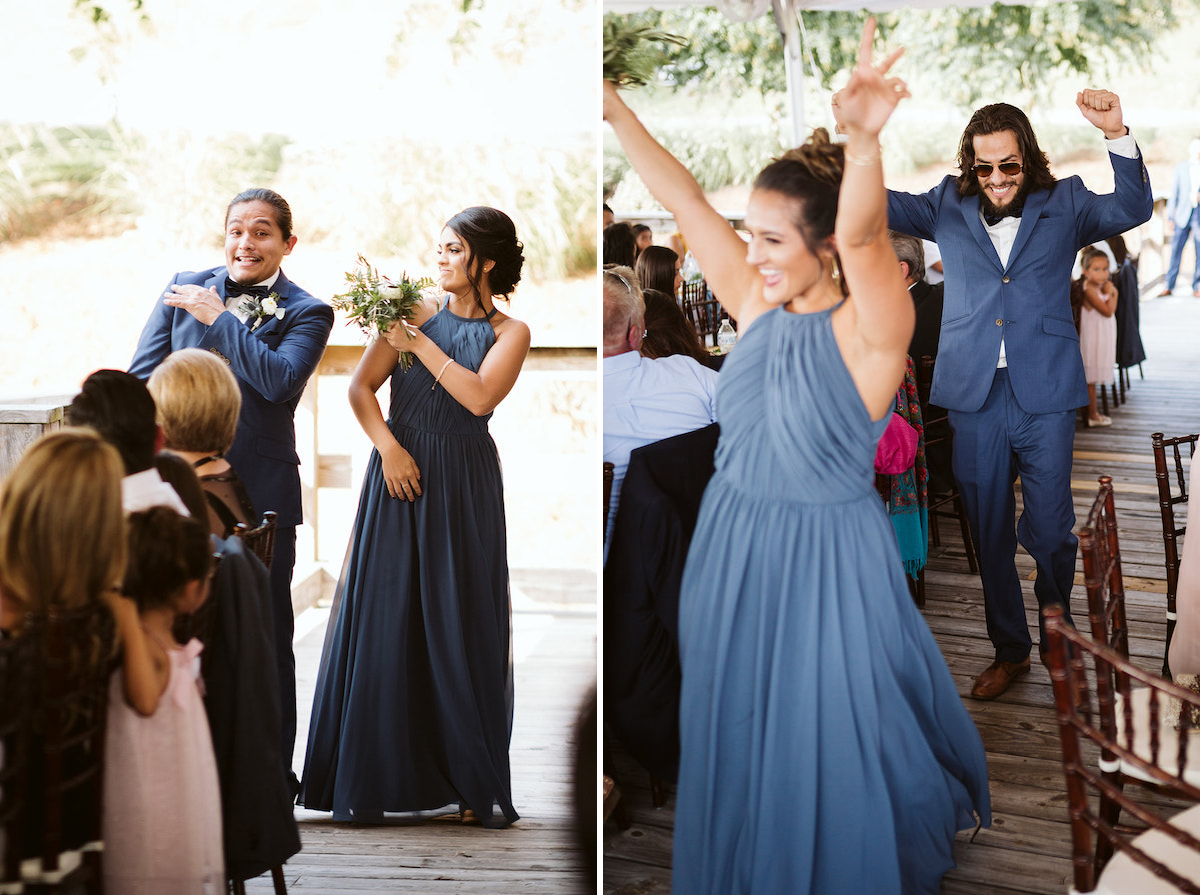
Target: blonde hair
column 62, row 531
column 197, row 401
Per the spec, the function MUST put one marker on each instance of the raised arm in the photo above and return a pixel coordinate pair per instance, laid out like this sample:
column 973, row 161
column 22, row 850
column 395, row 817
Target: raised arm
column 720, row 252
column 144, row 673
column 881, row 309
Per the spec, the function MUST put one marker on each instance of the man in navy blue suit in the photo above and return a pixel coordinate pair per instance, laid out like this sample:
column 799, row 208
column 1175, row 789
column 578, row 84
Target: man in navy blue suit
column 1183, row 214
column 272, row 334
column 1009, row 369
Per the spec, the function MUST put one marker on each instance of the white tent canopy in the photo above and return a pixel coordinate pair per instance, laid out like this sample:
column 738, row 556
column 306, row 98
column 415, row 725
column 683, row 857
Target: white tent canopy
column 787, row 18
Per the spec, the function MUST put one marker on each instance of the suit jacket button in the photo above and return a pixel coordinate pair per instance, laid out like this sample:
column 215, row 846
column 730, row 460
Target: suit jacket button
column 1005, row 280
column 999, row 323
column 224, row 358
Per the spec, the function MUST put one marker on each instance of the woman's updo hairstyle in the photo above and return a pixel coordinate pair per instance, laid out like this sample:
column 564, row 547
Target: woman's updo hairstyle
column 490, row 235
column 811, row 174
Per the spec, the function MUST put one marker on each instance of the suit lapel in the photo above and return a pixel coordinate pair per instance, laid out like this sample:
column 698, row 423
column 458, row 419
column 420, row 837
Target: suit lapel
column 970, row 212
column 1034, row 203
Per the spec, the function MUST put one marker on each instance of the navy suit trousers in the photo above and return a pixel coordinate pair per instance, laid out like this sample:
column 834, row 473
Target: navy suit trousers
column 992, row 447
column 1178, row 241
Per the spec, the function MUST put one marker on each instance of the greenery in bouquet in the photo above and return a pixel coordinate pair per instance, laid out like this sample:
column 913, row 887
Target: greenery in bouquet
column 375, row 302
column 631, row 54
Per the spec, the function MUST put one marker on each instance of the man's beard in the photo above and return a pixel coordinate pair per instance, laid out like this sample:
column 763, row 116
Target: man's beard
column 1013, row 209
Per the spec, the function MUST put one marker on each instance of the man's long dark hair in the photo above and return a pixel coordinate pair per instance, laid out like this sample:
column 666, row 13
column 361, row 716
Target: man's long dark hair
column 993, row 119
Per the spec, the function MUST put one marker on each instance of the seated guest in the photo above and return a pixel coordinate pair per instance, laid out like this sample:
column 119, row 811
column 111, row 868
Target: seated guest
column 620, row 246
column 645, row 399
column 62, row 547
column 927, row 299
column 62, row 539
column 658, row 268
column 178, row 473
column 118, row 406
column 669, row 332
column 198, row 402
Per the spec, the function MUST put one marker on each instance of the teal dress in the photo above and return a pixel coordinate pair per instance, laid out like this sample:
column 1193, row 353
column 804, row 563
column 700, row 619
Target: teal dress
column 414, row 700
column 824, row 745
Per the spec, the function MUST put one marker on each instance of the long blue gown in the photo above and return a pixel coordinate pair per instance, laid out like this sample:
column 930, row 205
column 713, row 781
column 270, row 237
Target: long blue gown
column 825, row 748
column 413, row 705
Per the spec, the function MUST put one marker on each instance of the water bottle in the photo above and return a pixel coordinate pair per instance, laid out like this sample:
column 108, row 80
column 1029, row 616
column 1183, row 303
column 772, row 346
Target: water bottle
column 726, row 336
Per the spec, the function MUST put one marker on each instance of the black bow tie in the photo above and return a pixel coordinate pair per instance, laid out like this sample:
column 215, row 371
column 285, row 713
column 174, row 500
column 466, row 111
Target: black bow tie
column 233, row 289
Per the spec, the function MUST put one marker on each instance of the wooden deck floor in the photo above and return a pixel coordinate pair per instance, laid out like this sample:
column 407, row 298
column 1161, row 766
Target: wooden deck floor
column 1027, row 849
column 554, row 644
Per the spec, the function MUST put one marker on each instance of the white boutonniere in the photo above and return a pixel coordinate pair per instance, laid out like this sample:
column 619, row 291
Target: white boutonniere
column 260, row 310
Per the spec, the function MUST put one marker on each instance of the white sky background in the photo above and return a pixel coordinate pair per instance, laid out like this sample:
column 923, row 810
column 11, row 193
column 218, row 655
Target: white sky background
column 304, row 68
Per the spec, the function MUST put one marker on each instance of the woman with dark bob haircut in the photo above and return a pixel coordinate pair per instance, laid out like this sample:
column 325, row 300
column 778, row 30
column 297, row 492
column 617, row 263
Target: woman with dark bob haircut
column 658, row 268
column 414, row 702
column 805, row 663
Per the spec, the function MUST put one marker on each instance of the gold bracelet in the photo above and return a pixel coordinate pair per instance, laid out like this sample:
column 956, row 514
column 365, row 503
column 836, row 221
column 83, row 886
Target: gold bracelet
column 863, row 161
column 438, row 378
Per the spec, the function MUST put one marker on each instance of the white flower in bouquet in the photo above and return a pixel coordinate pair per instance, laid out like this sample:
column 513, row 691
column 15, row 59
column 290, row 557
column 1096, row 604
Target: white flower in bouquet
column 374, row 302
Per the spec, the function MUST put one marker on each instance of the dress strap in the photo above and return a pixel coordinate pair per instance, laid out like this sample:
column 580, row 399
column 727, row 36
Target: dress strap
column 490, row 314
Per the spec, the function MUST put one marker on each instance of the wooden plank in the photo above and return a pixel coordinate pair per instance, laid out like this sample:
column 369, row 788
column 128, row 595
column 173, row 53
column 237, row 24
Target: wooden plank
column 555, row 666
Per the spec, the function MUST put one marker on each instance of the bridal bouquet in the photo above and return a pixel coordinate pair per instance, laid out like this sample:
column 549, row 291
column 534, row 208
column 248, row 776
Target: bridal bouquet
column 374, row 302
column 630, row 59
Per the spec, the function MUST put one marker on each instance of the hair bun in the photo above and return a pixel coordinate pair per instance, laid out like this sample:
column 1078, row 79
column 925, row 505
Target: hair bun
column 823, row 159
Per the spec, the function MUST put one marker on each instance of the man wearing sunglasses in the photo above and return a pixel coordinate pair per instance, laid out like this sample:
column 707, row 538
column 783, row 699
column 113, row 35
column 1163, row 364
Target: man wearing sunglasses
column 1009, row 368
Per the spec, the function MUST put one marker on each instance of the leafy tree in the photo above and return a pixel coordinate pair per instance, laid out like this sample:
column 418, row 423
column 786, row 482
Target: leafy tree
column 99, row 14
column 967, row 52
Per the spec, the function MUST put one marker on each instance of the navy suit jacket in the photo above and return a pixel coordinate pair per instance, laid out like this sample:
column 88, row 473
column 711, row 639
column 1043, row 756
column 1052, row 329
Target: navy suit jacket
column 272, row 364
column 1179, row 203
column 1027, row 302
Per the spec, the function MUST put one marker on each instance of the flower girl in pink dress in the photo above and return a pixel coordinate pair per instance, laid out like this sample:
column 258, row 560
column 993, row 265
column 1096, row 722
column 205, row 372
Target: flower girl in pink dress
column 162, row 801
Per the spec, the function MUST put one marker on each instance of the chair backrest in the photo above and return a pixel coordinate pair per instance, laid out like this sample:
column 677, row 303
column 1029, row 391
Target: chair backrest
column 17, row 660
column 608, row 486
column 74, row 661
column 1172, row 491
column 1092, row 835
column 260, row 540
column 703, row 312
column 1101, row 552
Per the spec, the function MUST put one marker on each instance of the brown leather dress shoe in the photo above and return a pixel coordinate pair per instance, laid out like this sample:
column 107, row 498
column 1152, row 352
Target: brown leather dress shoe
column 997, row 677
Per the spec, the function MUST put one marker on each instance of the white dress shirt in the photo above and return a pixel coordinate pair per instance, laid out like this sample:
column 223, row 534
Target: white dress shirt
column 235, row 304
column 646, row 400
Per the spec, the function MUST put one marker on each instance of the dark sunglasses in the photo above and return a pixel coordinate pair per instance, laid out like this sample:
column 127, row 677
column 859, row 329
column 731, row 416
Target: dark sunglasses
column 1009, row 168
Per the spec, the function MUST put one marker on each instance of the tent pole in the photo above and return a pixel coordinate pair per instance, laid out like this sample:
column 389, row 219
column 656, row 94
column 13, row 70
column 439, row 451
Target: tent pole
column 789, row 30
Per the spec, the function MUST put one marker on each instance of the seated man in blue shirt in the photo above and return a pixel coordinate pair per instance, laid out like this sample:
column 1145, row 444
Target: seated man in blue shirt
column 645, row 399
